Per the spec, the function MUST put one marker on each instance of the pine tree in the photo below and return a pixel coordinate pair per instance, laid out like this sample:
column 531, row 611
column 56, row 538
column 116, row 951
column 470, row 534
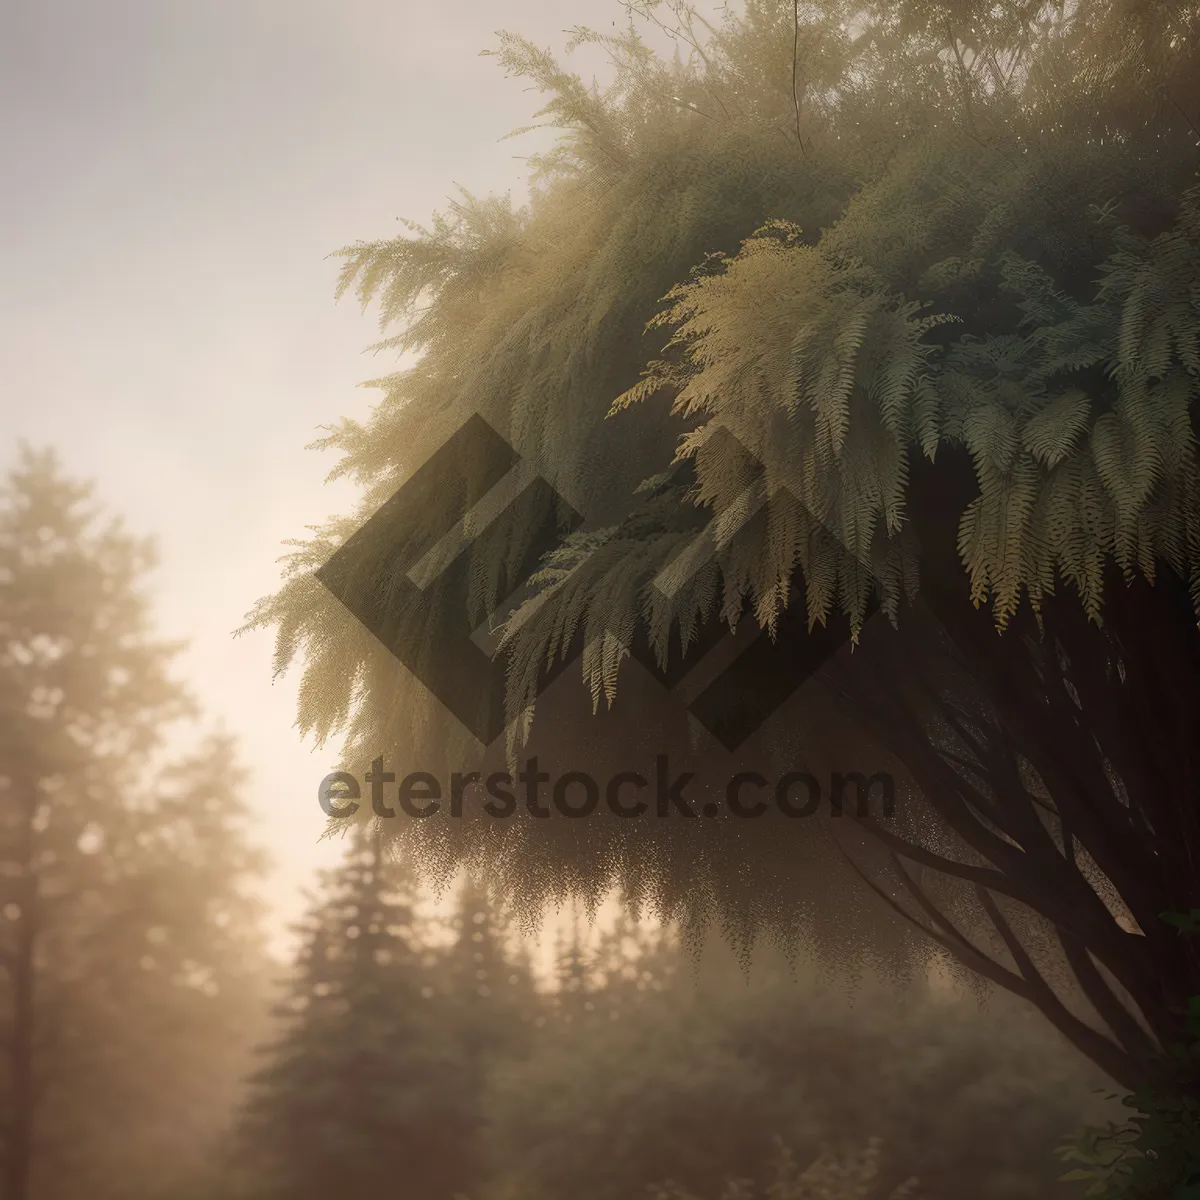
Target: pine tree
column 489, row 1004
column 574, row 980
column 489, row 978
column 128, row 940
column 364, row 1089
column 176, row 997
column 605, row 974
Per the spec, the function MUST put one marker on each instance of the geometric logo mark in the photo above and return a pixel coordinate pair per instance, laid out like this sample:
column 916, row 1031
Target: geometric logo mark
column 428, row 624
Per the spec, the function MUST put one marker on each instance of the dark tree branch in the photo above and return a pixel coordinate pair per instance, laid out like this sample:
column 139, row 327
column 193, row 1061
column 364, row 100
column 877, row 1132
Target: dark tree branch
column 1028, row 984
column 796, row 70
column 1101, row 1050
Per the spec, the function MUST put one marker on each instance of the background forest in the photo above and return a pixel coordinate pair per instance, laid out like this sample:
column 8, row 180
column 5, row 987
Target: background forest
column 154, row 1049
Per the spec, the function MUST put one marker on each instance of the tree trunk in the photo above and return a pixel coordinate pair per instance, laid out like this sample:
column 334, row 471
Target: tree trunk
column 18, row 1159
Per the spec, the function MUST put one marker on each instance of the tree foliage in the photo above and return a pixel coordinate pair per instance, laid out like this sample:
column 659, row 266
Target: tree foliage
column 362, row 1085
column 660, row 1068
column 129, row 946
column 902, row 301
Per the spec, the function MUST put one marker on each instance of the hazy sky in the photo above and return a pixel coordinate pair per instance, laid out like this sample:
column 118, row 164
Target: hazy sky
column 174, row 175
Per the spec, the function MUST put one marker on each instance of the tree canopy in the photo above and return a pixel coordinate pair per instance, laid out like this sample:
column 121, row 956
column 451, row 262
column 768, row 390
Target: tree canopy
column 902, row 301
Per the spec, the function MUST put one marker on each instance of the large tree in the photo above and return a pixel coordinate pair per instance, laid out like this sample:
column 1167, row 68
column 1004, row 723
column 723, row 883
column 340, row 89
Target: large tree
column 902, row 302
